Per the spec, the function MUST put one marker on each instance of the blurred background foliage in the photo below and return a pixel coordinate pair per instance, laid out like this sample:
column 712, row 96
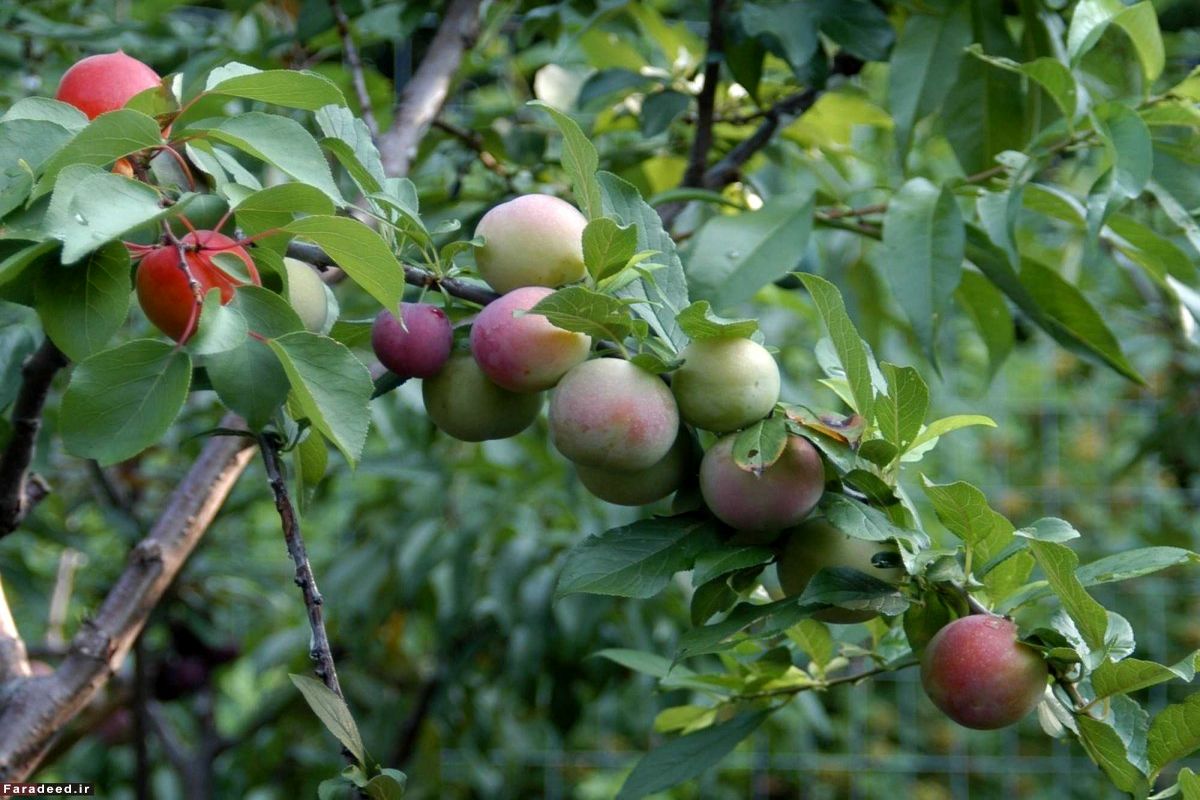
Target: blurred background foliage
column 438, row 559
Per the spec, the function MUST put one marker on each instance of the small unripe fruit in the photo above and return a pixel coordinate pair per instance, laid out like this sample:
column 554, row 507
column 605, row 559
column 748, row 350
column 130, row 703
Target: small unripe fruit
column 779, row 498
column 610, row 413
column 306, row 293
column 816, row 545
column 725, row 384
column 979, row 675
column 105, row 82
column 465, row 404
column 639, row 487
column 532, row 240
column 164, row 292
column 418, row 348
column 524, row 353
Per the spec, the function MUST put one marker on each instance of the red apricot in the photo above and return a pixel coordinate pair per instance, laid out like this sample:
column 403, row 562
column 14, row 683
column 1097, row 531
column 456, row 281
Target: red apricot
column 105, row 82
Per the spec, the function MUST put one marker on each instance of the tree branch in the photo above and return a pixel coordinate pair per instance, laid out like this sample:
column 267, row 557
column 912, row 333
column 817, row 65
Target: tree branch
column 706, row 102
column 319, row 649
column 18, row 492
column 354, row 62
column 39, row 707
column 475, row 143
column 424, row 94
column 14, row 660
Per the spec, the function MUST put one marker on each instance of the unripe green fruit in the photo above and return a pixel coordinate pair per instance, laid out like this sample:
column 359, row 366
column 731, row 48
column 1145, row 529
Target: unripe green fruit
column 524, row 353
column 610, row 413
column 725, row 384
column 306, row 293
column 779, row 498
column 639, row 487
column 532, row 240
column 978, row 673
column 816, row 545
column 465, row 404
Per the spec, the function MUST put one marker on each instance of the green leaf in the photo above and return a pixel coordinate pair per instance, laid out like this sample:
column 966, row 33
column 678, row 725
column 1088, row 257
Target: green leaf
column 1058, row 562
column 965, row 512
column 946, row 425
column 81, row 307
column 108, row 137
column 636, row 560
column 350, row 142
column 699, row 322
column 1174, row 733
column 901, row 412
column 43, row 108
column 121, row 401
column 332, row 386
column 1132, row 674
column 667, row 290
column 91, row 207
column 579, row 159
column 647, row 663
column 710, row 599
column 923, row 243
column 1129, row 147
column 277, row 206
column 687, row 756
column 789, row 28
column 1139, row 21
column 250, row 381
column 607, row 246
column 735, row 255
column 220, row 328
column 1049, row 73
column 924, row 66
column 845, row 587
column 1107, row 748
column 862, row 521
column 583, row 310
column 279, row 141
column 814, row 638
column 1156, row 254
column 1134, row 564
column 985, row 306
column 388, row 785
column 714, row 563
column 851, row 351
column 333, row 712
column 1074, row 319
column 760, row 445
column 858, row 26
column 660, row 109
column 281, row 87
column 358, row 250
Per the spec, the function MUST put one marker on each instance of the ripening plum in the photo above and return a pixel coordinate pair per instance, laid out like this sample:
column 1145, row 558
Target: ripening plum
column 307, row 294
column 610, row 413
column 105, row 82
column 465, row 404
column 725, row 384
column 418, row 348
column 642, row 486
column 524, row 353
column 779, row 498
column 532, row 240
column 978, row 673
column 815, row 545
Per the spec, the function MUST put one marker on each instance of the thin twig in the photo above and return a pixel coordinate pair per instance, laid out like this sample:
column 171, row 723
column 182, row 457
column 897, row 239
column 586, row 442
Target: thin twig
column 425, row 93
column 831, row 682
column 354, row 62
column 20, row 492
column 706, row 101
column 475, row 142
column 319, row 648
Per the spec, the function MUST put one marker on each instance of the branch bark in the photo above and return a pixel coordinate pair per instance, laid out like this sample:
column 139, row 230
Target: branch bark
column 20, row 492
column 424, row 95
column 40, row 706
column 706, row 102
column 14, row 660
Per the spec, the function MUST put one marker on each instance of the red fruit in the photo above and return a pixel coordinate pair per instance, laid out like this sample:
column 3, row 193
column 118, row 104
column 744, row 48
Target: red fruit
column 979, row 675
column 105, row 82
column 417, row 349
column 162, row 287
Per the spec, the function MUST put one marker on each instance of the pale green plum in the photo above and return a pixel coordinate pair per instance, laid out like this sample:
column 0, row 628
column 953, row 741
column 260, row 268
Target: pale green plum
column 816, row 545
column 725, row 384
column 532, row 240
column 642, row 486
column 782, row 496
column 465, row 404
column 306, row 293
column 610, row 413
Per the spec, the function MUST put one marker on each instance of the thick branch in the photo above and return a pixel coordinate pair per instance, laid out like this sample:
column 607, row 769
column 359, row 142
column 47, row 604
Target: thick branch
column 319, row 649
column 14, row 660
column 424, row 94
column 40, row 707
column 354, row 62
column 18, row 492
column 415, row 276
